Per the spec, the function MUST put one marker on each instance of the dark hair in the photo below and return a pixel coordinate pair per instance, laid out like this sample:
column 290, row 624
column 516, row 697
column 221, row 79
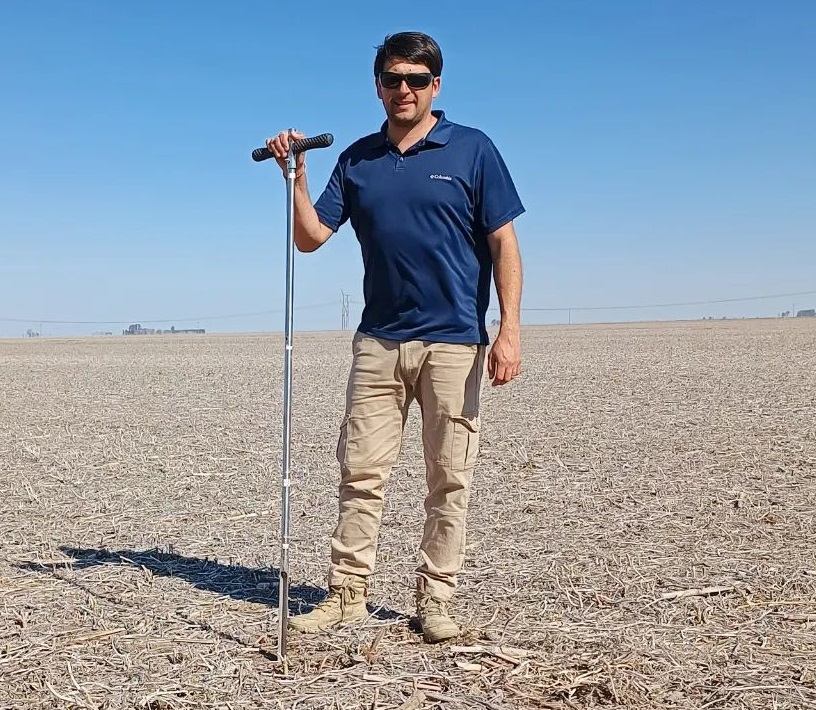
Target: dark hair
column 414, row 47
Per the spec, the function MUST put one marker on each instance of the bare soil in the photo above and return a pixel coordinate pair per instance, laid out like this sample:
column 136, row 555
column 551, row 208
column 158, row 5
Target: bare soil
column 642, row 531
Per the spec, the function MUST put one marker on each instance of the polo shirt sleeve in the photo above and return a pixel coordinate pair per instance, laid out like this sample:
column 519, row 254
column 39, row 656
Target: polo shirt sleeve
column 331, row 206
column 497, row 201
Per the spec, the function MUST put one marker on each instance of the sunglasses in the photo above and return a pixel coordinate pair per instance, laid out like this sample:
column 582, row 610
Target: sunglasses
column 392, row 80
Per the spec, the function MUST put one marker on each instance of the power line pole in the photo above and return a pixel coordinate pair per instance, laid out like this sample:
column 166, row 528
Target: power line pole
column 344, row 318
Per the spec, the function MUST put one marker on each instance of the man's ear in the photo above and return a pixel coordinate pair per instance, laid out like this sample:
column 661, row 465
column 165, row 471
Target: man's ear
column 379, row 90
column 437, row 86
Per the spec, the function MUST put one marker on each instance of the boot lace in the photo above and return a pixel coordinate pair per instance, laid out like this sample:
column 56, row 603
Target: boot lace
column 430, row 606
column 340, row 596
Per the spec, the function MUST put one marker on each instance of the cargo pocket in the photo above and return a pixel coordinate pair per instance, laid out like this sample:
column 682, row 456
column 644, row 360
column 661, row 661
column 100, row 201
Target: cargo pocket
column 464, row 442
column 342, row 441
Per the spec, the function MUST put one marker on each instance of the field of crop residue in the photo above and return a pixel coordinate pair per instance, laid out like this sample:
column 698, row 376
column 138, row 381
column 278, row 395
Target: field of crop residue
column 642, row 531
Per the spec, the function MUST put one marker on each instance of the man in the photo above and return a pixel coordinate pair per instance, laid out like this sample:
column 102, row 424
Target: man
column 432, row 205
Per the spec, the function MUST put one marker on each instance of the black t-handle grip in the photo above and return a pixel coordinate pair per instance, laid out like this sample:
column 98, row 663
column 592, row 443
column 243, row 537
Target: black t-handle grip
column 324, row 140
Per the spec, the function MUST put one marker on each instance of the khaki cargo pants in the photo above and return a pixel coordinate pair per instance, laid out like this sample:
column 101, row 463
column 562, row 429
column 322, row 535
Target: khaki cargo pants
column 386, row 376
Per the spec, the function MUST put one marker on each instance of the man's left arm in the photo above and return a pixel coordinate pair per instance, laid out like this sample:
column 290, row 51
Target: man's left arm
column 504, row 358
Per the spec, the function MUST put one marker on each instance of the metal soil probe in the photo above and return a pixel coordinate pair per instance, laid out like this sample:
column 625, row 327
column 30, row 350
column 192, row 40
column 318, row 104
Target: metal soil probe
column 295, row 147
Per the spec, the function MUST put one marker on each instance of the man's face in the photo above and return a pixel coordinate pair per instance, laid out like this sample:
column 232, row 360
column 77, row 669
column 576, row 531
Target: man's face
column 406, row 106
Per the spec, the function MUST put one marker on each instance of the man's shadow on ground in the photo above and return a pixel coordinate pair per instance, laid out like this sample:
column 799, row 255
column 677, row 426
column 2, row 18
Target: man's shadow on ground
column 259, row 585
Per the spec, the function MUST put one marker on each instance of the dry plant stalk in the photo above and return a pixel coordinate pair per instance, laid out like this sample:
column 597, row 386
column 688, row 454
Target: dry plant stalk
column 630, row 466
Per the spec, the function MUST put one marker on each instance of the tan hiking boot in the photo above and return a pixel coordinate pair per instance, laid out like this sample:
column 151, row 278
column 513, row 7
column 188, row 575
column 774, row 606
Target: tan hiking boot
column 345, row 603
column 436, row 623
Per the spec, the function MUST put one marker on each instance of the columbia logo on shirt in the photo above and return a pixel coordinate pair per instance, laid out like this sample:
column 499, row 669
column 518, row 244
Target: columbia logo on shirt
column 437, row 176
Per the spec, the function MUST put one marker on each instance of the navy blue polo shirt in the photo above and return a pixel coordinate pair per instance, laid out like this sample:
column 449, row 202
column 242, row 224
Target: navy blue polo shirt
column 422, row 220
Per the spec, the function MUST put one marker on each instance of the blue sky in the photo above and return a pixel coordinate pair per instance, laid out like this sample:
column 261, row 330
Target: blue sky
column 665, row 151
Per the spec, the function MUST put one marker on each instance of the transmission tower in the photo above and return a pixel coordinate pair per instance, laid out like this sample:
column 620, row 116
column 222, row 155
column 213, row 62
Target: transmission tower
column 345, row 311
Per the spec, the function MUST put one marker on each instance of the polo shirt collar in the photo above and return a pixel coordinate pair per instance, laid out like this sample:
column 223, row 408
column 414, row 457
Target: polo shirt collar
column 438, row 135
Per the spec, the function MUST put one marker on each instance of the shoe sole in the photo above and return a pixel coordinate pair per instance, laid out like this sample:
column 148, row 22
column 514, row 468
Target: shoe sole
column 327, row 627
column 440, row 639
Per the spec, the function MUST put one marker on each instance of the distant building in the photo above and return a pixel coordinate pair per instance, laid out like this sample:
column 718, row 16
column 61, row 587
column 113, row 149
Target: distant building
column 807, row 313
column 136, row 329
